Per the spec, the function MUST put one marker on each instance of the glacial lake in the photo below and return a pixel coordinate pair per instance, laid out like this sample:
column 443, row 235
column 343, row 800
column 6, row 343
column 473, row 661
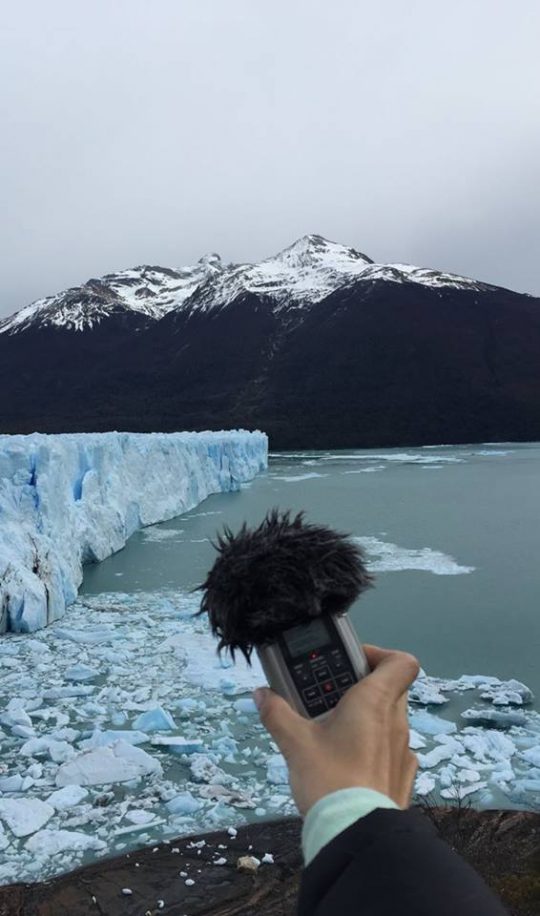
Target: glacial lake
column 453, row 534
column 140, row 733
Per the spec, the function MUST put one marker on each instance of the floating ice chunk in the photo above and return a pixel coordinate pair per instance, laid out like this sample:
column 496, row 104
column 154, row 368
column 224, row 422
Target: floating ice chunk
column 496, row 718
column 23, row 731
column 178, row 745
column 487, row 743
column 434, row 757
column 459, row 792
column 415, row 740
column 393, row 558
column 532, row 755
column 189, row 706
column 109, row 736
column 52, row 842
column 508, row 693
column 447, row 775
column 428, row 724
column 203, row 769
column 119, row 762
column 245, row 705
column 525, row 790
column 74, row 690
column 268, row 858
column 184, row 803
column 153, row 720
column 276, row 770
column 11, row 783
column 140, row 816
column 91, row 635
column 25, row 815
column 15, row 716
column 425, row 783
column 81, row 672
column 229, row 687
column 67, row 797
column 478, row 680
column 4, row 842
column 232, row 831
column 58, row 751
column 227, row 746
column 468, row 775
column 427, row 691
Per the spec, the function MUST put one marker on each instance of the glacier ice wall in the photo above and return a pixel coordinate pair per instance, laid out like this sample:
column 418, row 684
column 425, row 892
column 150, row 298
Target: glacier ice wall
column 67, row 500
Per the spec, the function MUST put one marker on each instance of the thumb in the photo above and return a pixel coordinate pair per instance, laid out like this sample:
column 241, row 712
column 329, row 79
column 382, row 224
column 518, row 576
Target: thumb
column 283, row 723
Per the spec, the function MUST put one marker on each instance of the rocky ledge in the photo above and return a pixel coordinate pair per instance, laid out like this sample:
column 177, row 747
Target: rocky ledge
column 202, row 874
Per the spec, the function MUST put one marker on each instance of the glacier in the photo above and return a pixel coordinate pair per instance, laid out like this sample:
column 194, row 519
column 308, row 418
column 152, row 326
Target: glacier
column 67, row 500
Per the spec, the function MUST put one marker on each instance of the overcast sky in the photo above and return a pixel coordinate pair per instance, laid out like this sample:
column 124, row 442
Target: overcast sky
column 153, row 131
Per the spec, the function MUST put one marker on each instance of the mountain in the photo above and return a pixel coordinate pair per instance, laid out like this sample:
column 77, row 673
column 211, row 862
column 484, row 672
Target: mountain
column 318, row 345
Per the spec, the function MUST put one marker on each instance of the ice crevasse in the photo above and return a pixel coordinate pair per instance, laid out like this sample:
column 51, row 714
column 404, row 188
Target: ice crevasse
column 67, row 500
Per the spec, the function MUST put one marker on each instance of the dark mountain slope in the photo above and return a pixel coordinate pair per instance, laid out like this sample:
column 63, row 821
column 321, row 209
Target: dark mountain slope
column 318, row 345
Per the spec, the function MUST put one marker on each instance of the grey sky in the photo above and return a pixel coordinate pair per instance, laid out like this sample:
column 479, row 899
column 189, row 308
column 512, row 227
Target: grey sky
column 152, row 131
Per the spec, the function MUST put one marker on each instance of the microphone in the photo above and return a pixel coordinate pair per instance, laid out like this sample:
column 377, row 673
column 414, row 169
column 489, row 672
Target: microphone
column 283, row 589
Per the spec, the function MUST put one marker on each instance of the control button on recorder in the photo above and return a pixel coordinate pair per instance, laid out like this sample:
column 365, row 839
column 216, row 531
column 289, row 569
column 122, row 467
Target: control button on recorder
column 337, row 661
column 332, row 700
column 328, row 686
column 322, row 673
column 311, row 694
column 344, row 680
column 316, row 708
column 303, row 674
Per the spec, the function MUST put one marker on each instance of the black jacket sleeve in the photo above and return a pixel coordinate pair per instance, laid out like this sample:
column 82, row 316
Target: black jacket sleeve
column 393, row 863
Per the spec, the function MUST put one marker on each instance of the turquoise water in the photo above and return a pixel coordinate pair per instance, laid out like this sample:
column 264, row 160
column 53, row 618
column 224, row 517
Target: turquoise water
column 468, row 516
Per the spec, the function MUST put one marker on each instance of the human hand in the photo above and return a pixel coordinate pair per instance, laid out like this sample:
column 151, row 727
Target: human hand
column 364, row 740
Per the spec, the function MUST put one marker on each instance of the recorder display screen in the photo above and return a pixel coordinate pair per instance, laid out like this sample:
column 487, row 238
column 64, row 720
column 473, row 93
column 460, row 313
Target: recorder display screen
column 302, row 639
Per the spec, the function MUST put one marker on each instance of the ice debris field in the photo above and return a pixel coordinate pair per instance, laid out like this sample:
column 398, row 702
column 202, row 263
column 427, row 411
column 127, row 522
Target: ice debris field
column 67, row 500
column 120, row 726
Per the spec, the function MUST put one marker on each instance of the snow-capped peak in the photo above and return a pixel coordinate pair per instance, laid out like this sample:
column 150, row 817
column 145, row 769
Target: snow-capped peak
column 298, row 276
column 314, row 250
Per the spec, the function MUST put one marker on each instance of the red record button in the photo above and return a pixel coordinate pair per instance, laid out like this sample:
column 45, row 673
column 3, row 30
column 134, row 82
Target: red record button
column 328, row 686
column 313, row 654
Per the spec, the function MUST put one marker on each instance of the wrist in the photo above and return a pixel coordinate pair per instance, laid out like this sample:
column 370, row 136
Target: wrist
column 334, row 812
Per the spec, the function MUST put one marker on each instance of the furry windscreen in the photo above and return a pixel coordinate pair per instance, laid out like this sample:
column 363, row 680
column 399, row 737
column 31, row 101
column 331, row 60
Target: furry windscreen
column 279, row 575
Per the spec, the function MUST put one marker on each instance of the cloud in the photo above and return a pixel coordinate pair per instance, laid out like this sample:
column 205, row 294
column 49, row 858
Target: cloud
column 140, row 132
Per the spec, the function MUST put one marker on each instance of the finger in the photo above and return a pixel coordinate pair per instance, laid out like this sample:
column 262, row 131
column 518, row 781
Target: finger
column 394, row 671
column 284, row 724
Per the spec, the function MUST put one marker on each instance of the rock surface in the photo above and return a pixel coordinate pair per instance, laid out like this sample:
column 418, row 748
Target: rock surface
column 182, row 877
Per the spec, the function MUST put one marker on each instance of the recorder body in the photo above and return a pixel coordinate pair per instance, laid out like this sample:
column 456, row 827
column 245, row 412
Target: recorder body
column 312, row 665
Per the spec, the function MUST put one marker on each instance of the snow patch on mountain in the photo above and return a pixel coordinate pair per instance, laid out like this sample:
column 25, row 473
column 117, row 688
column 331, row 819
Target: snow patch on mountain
column 301, row 275
column 148, row 291
column 67, row 500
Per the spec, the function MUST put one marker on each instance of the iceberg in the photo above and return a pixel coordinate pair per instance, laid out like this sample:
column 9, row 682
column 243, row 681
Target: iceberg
column 67, row 500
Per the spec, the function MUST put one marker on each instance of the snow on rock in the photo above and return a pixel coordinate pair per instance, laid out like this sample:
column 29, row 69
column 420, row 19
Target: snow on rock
column 25, row 815
column 70, row 499
column 119, row 762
